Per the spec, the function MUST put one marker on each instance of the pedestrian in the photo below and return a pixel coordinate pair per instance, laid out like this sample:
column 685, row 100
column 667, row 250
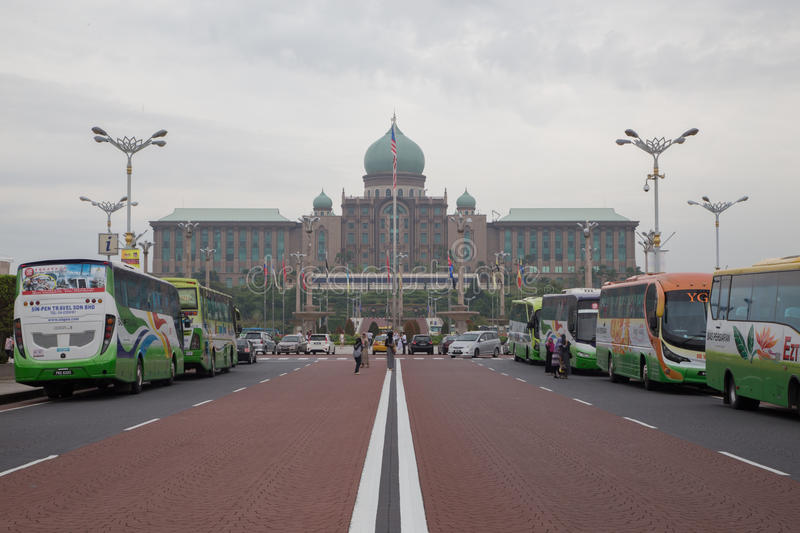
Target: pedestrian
column 399, row 342
column 369, row 338
column 563, row 356
column 390, row 350
column 405, row 343
column 9, row 347
column 550, row 348
column 554, row 357
column 358, row 350
column 364, row 351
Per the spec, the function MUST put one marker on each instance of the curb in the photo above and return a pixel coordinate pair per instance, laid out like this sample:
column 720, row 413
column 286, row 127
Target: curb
column 12, row 397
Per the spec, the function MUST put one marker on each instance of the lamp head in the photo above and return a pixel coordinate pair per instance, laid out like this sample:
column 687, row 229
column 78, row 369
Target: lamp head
column 123, row 199
column 689, row 133
column 159, row 133
column 705, row 199
column 680, row 140
column 99, row 139
column 159, row 143
column 134, row 203
column 743, row 199
column 691, row 202
column 646, row 187
column 99, row 131
column 631, row 133
column 623, row 141
column 85, row 199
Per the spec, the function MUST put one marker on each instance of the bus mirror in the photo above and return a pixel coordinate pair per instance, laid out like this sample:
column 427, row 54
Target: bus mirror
column 187, row 322
column 660, row 305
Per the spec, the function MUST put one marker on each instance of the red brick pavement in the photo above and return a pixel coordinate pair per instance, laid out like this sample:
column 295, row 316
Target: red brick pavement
column 496, row 454
column 280, row 456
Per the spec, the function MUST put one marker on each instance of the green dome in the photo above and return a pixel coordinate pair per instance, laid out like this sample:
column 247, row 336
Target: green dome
column 322, row 202
column 379, row 155
column 466, row 201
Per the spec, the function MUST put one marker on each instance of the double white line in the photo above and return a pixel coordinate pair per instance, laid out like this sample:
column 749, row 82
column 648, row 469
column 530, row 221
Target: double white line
column 412, row 510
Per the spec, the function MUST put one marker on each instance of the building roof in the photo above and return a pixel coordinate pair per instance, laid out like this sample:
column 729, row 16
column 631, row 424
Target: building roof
column 378, row 157
column 466, row 200
column 563, row 214
column 323, row 201
column 224, row 214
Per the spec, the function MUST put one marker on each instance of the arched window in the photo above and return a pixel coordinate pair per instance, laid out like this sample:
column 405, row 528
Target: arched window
column 388, row 193
column 411, row 193
column 368, row 193
column 320, row 245
column 399, row 193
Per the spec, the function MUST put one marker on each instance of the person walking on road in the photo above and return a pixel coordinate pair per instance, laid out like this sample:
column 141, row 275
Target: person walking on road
column 9, row 348
column 390, row 350
column 399, row 342
column 561, row 358
column 405, row 343
column 364, row 351
column 369, row 338
column 358, row 349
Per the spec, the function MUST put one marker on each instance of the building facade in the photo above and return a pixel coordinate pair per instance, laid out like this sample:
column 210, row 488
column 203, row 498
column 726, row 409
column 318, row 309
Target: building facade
column 545, row 240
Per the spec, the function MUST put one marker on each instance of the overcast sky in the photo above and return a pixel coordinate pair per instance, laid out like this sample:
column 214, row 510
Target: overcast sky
column 266, row 103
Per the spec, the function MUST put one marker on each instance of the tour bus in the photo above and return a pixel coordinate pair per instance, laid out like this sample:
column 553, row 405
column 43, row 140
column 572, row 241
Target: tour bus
column 652, row 327
column 523, row 329
column 210, row 327
column 753, row 335
column 574, row 314
column 83, row 322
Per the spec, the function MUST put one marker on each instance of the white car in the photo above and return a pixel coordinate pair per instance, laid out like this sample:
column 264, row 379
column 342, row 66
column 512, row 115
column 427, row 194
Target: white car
column 475, row 344
column 321, row 342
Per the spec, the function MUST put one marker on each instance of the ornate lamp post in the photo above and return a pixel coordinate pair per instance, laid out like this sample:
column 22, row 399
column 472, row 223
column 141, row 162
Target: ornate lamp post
column 716, row 208
column 587, row 228
column 208, row 254
column 187, row 227
column 646, row 240
column 145, row 246
column 500, row 260
column 655, row 147
column 128, row 146
column 108, row 208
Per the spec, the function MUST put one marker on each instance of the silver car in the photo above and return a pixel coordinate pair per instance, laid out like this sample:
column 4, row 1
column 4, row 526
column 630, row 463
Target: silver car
column 292, row 343
column 475, row 344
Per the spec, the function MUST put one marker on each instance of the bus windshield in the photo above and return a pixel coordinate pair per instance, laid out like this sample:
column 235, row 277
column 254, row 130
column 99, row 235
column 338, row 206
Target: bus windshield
column 684, row 321
column 188, row 297
column 587, row 323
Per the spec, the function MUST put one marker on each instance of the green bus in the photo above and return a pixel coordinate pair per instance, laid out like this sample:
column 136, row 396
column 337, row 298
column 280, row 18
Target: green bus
column 523, row 329
column 82, row 322
column 209, row 329
column 572, row 313
column 753, row 335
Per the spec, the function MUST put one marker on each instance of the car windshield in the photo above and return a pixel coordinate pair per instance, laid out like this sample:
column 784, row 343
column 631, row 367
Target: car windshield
column 467, row 337
column 380, row 338
column 422, row 338
column 252, row 335
column 291, row 338
column 684, row 320
column 319, row 337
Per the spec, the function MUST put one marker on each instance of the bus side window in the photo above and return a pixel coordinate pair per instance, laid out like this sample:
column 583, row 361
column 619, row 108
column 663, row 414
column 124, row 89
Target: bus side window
column 714, row 298
column 651, row 303
column 740, row 297
column 724, row 293
column 788, row 309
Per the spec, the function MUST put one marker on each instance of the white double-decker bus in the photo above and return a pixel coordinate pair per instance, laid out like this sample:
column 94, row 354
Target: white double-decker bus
column 83, row 322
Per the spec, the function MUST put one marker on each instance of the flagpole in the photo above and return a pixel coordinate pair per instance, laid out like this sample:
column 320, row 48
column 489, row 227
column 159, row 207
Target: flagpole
column 394, row 223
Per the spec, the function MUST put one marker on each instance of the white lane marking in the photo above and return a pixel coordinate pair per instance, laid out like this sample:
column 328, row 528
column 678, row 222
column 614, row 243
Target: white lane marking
column 296, row 369
column 639, row 422
column 264, row 380
column 503, row 373
column 581, row 401
column 283, row 374
column 142, row 424
column 718, row 397
column 322, row 358
column 26, row 465
column 748, row 461
column 365, row 509
column 240, row 389
column 308, row 364
column 302, row 358
column 522, row 380
column 23, row 407
column 341, row 358
column 202, row 403
column 492, row 369
column 438, row 358
column 545, row 388
column 412, row 510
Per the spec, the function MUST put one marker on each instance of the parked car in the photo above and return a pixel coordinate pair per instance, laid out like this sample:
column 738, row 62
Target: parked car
column 245, row 351
column 421, row 343
column 445, row 343
column 379, row 344
column 262, row 342
column 292, row 343
column 321, row 342
column 475, row 344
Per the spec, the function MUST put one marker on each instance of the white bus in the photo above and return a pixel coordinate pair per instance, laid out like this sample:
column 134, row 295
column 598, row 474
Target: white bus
column 83, row 322
column 572, row 313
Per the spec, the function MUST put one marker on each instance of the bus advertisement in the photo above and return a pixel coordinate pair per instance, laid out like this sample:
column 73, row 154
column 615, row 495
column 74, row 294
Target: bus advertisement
column 210, row 327
column 652, row 327
column 83, row 322
column 523, row 329
column 572, row 313
column 753, row 334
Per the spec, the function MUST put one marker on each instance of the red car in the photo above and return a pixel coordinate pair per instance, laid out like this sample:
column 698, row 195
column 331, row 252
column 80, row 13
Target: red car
column 445, row 344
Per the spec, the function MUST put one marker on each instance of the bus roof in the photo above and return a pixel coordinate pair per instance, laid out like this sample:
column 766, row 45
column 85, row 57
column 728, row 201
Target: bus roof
column 533, row 301
column 668, row 281
column 579, row 293
column 191, row 282
column 113, row 264
column 791, row 262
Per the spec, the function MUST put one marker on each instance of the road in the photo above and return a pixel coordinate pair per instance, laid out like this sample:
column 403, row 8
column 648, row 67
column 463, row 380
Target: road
column 443, row 444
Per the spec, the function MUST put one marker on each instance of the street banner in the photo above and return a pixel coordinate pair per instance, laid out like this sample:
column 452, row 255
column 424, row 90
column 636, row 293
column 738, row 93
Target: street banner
column 130, row 256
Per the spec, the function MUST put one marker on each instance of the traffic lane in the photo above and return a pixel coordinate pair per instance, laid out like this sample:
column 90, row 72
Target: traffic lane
column 691, row 413
column 495, row 453
column 285, row 455
column 54, row 427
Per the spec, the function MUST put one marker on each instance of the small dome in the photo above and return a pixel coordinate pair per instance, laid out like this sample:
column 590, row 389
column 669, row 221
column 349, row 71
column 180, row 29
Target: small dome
column 465, row 201
column 378, row 157
column 322, row 202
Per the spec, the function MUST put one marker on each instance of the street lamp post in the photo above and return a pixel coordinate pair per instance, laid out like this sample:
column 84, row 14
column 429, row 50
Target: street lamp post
column 717, row 208
column 108, row 208
column 208, row 254
column 187, row 227
column 655, row 147
column 587, row 228
column 646, row 240
column 145, row 246
column 500, row 261
column 399, row 301
column 129, row 146
column 298, row 256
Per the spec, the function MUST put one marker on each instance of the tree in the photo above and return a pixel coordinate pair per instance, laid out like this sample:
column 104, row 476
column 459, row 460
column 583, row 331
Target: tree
column 8, row 286
column 411, row 328
column 374, row 329
column 349, row 329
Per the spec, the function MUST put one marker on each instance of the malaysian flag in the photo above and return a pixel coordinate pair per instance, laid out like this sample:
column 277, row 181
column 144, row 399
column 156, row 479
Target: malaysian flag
column 394, row 159
column 283, row 267
column 519, row 274
column 388, row 270
column 450, row 268
column 266, row 273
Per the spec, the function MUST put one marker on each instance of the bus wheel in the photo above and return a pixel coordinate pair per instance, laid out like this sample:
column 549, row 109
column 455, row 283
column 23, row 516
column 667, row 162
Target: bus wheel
column 736, row 401
column 794, row 397
column 648, row 383
column 138, row 381
column 212, row 371
column 56, row 390
column 171, row 379
column 611, row 374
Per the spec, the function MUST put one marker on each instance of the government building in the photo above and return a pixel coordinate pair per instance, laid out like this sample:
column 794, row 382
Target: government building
column 358, row 234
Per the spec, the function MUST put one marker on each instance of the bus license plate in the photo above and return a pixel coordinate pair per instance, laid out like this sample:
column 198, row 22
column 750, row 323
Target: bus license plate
column 63, row 372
